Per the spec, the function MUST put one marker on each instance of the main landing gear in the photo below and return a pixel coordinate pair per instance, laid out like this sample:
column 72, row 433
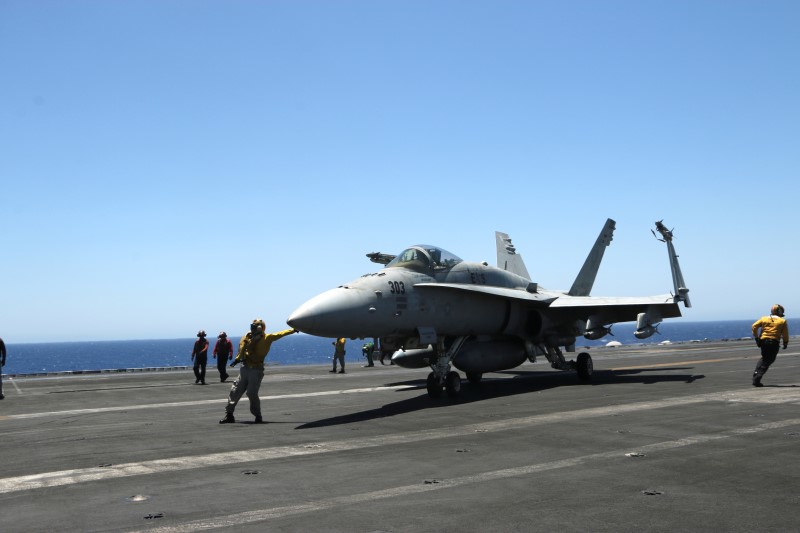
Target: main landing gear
column 451, row 384
column 443, row 378
column 584, row 366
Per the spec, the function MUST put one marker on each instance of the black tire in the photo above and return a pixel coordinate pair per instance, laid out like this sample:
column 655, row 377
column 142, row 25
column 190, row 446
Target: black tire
column 584, row 366
column 434, row 386
column 452, row 384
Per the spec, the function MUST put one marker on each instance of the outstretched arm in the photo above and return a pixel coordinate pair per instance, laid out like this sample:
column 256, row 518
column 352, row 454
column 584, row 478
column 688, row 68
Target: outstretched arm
column 281, row 334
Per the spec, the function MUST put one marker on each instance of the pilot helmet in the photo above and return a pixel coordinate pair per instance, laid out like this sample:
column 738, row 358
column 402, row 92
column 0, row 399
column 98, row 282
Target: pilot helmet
column 201, row 333
column 256, row 324
column 777, row 309
column 222, row 335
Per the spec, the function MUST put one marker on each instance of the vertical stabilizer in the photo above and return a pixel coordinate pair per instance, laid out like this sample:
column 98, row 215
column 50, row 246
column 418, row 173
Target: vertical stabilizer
column 585, row 280
column 507, row 257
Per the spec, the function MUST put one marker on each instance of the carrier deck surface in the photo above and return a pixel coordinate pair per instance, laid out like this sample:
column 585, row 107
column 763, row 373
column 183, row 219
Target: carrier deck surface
column 665, row 438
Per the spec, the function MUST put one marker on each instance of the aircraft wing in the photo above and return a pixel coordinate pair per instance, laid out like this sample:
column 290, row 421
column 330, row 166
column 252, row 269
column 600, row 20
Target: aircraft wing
column 611, row 301
column 505, row 292
column 610, row 310
column 555, row 301
column 607, row 310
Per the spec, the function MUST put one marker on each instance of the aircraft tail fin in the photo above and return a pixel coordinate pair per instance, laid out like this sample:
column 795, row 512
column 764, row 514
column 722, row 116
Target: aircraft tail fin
column 585, row 280
column 507, row 257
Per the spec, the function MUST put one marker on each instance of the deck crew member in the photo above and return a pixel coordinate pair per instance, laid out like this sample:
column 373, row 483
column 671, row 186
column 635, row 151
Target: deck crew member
column 2, row 364
column 773, row 329
column 223, row 352
column 200, row 357
column 338, row 354
column 367, row 349
column 253, row 348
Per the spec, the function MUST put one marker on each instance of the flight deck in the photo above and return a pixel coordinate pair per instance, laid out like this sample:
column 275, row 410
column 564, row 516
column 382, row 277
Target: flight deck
column 664, row 438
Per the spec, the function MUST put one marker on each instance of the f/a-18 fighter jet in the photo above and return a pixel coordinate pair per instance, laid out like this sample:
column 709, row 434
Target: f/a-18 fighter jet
column 439, row 311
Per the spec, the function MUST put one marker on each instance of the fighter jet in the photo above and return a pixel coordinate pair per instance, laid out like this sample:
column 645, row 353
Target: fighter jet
column 439, row 311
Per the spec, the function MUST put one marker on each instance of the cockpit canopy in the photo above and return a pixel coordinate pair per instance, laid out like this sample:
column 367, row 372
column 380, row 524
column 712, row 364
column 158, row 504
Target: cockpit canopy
column 424, row 257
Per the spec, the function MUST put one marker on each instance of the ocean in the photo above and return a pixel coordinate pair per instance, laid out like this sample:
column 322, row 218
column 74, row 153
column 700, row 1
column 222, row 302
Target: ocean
column 130, row 355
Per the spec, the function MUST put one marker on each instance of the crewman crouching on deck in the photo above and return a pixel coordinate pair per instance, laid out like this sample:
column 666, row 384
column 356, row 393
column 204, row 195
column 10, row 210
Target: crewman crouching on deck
column 253, row 348
column 773, row 329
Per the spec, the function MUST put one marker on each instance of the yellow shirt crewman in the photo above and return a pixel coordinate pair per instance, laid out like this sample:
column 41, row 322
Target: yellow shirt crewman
column 338, row 354
column 773, row 329
column 253, row 348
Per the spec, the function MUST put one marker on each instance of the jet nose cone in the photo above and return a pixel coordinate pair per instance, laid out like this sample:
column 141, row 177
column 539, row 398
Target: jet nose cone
column 302, row 319
column 334, row 313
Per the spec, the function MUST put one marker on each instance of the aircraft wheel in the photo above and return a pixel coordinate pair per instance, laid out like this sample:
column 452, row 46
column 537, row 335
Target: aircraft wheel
column 584, row 366
column 452, row 384
column 434, row 386
column 474, row 377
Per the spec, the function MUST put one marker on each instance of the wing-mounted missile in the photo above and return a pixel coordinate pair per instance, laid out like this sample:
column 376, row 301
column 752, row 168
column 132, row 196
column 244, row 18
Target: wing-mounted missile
column 595, row 329
column 646, row 325
column 645, row 332
column 681, row 291
column 381, row 259
column 598, row 333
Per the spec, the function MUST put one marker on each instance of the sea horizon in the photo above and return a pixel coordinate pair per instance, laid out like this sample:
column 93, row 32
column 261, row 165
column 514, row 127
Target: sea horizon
column 109, row 355
column 236, row 337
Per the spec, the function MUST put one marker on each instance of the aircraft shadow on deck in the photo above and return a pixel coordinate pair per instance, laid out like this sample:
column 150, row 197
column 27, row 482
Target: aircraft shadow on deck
column 522, row 382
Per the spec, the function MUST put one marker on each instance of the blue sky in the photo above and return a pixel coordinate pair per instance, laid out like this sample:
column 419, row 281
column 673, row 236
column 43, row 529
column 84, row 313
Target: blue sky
column 175, row 165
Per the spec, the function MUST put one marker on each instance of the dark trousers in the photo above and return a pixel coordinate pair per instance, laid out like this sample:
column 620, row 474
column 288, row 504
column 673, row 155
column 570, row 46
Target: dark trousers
column 200, row 368
column 769, row 352
column 368, row 355
column 221, row 363
column 385, row 354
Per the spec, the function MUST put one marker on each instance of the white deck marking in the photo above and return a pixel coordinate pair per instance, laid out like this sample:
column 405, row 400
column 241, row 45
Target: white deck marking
column 189, row 462
column 250, row 517
column 299, row 395
column 219, row 401
column 681, row 363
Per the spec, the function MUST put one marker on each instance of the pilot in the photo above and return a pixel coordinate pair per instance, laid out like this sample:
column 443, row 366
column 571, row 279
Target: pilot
column 200, row 357
column 253, row 348
column 773, row 329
